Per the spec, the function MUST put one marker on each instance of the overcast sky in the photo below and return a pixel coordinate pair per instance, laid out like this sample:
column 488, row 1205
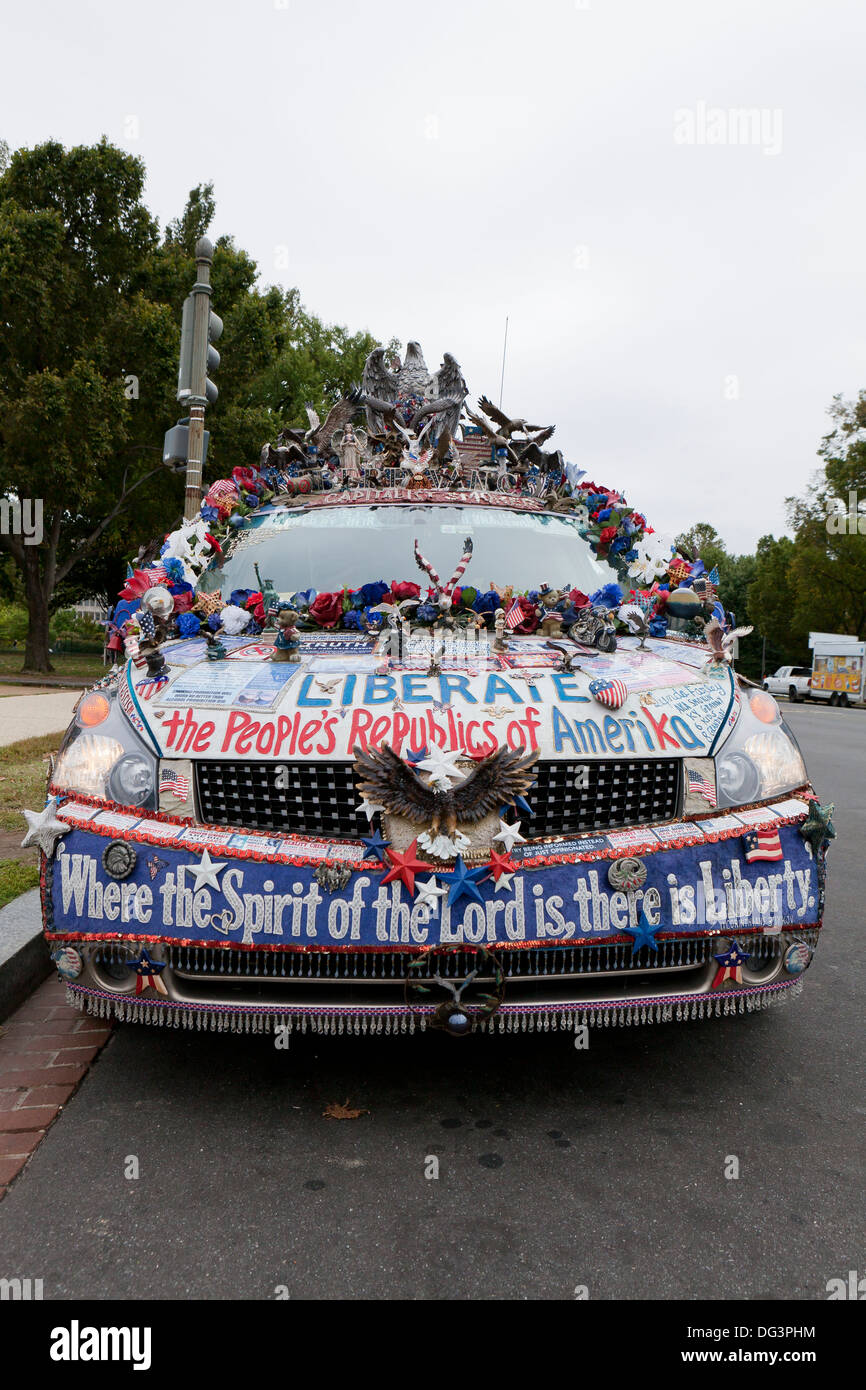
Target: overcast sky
column 685, row 289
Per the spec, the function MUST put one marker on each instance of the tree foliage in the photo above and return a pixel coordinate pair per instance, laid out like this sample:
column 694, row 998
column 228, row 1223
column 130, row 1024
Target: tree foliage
column 90, row 301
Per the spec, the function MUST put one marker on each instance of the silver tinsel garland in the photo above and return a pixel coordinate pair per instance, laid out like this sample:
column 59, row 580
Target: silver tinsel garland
column 552, row 1019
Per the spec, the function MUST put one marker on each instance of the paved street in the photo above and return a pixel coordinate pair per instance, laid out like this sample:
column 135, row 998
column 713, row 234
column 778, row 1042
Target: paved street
column 557, row 1168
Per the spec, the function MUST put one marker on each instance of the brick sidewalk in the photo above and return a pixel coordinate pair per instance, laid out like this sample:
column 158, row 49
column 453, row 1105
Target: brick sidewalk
column 45, row 1050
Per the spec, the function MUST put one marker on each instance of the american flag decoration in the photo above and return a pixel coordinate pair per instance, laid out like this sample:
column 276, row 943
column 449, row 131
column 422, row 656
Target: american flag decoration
column 148, row 973
column 711, row 583
column 701, row 785
column 174, row 783
column 731, row 964
column 763, row 843
column 149, row 687
column 612, row 693
column 514, row 616
column 154, row 865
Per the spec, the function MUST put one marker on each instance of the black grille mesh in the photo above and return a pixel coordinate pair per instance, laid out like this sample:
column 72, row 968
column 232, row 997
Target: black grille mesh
column 569, row 798
column 322, row 799
column 318, row 798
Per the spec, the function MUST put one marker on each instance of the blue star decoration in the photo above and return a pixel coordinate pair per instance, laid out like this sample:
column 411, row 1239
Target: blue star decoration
column 375, row 844
column 148, row 972
column 416, row 757
column 643, row 934
column 518, row 804
column 463, row 882
column 731, row 964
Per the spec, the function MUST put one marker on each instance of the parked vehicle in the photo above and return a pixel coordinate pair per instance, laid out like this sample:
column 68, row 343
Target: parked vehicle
column 317, row 795
column 838, row 668
column 792, row 681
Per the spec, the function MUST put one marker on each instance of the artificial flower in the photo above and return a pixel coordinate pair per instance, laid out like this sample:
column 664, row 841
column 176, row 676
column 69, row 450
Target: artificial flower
column 234, row 619
column 327, row 609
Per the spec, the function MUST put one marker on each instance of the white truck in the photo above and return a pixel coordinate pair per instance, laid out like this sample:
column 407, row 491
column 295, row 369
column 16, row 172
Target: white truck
column 793, row 681
column 837, row 668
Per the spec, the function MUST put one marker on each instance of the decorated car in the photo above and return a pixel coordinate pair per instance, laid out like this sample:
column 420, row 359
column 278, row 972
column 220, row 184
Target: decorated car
column 417, row 727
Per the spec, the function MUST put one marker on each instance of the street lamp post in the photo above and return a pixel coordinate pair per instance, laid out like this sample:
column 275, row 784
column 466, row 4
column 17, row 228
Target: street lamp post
column 201, row 327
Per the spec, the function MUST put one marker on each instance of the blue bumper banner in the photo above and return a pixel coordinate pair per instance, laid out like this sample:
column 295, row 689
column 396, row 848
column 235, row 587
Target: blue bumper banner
column 175, row 895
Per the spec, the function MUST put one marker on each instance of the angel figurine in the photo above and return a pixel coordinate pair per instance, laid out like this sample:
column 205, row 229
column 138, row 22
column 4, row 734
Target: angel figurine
column 349, row 445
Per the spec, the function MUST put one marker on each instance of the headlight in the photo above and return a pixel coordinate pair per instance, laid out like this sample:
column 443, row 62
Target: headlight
column 131, row 780
column 113, row 763
column 761, row 758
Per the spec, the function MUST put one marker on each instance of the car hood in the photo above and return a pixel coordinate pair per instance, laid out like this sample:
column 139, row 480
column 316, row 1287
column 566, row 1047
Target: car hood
column 664, row 700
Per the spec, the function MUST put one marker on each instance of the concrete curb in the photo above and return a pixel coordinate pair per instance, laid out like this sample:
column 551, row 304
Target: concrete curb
column 24, row 958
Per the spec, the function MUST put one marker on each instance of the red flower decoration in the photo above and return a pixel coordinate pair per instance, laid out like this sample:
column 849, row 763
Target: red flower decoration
column 579, row 598
column 404, row 590
column 607, row 535
column 138, row 583
column 327, row 609
column 255, row 604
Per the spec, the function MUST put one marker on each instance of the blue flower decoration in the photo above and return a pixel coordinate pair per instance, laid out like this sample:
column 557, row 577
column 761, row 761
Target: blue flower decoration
column 610, row 596
column 214, row 622
column 487, row 603
column 188, row 624
column 370, row 594
column 174, row 569
column 209, row 513
column 658, row 627
column 239, row 597
column 352, row 620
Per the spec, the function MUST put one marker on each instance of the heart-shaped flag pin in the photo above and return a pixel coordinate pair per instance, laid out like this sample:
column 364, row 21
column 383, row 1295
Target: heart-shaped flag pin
column 612, row 693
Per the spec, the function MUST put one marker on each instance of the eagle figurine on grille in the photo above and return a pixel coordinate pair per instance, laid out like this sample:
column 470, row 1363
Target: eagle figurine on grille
column 498, row 780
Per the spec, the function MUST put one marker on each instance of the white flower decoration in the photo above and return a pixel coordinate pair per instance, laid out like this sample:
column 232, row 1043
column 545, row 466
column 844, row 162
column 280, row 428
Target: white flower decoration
column 234, row 619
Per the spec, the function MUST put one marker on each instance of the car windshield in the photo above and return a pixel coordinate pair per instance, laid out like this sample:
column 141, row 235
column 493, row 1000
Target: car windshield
column 329, row 548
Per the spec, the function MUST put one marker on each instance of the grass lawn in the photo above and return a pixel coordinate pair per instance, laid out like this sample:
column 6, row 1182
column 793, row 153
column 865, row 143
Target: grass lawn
column 75, row 665
column 23, row 775
column 16, row 878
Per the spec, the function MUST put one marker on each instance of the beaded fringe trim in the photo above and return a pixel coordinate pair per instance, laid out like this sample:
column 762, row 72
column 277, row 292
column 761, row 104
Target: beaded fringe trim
column 544, row 1020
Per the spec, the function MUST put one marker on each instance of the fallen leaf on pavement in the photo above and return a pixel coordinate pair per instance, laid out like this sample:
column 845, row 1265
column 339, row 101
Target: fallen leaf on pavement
column 335, row 1111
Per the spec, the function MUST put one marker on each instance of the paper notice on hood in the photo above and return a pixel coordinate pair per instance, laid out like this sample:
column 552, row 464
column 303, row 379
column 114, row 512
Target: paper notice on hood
column 219, row 685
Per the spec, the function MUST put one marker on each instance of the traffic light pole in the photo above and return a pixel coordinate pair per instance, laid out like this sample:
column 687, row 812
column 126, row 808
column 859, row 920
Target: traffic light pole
column 197, row 399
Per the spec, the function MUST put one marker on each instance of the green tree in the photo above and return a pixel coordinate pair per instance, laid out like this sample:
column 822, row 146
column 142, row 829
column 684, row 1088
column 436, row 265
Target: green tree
column 736, row 573
column 90, row 300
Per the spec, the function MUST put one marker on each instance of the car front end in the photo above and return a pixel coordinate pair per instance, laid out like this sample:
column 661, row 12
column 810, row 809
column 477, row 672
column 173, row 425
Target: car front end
column 384, row 825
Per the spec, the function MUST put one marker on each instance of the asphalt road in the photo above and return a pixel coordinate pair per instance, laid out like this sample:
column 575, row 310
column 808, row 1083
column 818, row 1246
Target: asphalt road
column 557, row 1168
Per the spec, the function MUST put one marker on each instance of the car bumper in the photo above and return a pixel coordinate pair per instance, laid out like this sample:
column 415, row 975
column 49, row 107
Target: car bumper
column 561, row 946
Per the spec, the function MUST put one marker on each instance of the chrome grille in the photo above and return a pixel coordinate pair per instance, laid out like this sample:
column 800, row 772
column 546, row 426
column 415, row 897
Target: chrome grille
column 322, row 799
column 387, row 966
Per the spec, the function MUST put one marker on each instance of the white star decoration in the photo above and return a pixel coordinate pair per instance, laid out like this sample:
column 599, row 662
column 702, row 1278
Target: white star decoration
column 45, row 829
column 510, row 836
column 369, row 809
column 503, row 882
column 207, row 872
column 429, row 893
column 441, row 766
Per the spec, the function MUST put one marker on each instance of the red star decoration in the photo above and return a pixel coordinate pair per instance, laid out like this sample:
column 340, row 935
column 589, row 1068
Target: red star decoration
column 500, row 864
column 405, row 866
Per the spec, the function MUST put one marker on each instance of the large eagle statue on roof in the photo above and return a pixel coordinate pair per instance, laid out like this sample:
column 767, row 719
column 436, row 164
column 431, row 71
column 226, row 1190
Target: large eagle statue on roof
column 408, row 391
